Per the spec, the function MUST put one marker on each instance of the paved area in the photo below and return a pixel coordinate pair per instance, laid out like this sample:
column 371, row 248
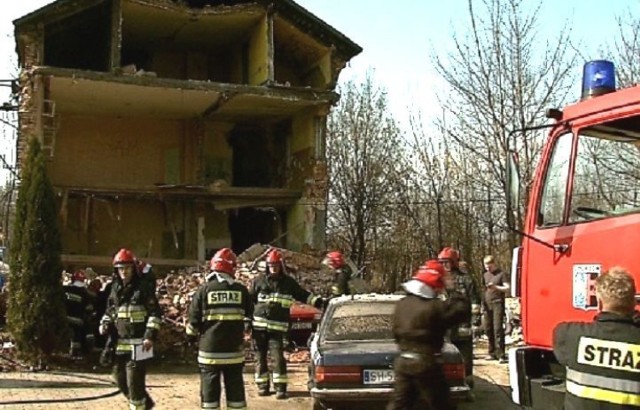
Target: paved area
column 177, row 387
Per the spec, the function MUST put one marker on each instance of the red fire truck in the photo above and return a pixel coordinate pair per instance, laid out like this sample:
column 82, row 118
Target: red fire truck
column 583, row 217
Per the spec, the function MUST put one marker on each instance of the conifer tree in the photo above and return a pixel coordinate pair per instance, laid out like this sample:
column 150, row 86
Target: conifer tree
column 36, row 313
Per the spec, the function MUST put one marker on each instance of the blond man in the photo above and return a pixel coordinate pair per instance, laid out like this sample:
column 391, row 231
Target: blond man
column 602, row 358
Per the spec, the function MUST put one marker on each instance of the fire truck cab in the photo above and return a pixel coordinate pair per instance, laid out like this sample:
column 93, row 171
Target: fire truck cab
column 582, row 218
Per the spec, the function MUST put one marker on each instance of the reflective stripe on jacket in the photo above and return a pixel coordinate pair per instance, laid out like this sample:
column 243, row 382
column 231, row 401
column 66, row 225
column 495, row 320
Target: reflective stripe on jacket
column 134, row 310
column 273, row 298
column 602, row 360
column 217, row 313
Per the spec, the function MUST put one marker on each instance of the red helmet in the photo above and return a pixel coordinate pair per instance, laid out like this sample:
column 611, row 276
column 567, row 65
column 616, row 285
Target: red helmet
column 431, row 274
column 334, row 259
column 450, row 254
column 223, row 261
column 79, row 276
column 123, row 257
column 274, row 256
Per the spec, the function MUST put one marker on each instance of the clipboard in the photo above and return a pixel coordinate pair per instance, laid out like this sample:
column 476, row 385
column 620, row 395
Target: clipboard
column 138, row 354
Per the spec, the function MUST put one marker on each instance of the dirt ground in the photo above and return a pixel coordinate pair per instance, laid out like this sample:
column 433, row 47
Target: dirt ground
column 177, row 387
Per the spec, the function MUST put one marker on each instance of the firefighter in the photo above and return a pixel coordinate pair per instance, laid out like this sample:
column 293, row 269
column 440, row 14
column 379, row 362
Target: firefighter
column 341, row 273
column 273, row 294
column 602, row 358
column 420, row 322
column 134, row 315
column 80, row 314
column 217, row 313
column 463, row 283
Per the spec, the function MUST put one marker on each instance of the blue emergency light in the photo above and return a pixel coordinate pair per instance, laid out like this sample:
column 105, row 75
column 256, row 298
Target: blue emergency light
column 598, row 77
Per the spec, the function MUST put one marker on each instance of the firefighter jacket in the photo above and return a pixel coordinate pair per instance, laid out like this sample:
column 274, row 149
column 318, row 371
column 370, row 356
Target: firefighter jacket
column 80, row 306
column 602, row 359
column 341, row 280
column 421, row 319
column 273, row 298
column 217, row 313
column 134, row 311
column 466, row 287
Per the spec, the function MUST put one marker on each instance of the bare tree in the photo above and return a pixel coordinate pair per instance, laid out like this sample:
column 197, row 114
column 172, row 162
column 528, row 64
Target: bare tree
column 501, row 79
column 626, row 50
column 364, row 150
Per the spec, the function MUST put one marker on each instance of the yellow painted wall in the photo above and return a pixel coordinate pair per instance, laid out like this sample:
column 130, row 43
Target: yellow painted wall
column 217, row 153
column 139, row 225
column 216, row 231
column 137, row 150
column 259, row 53
column 301, row 150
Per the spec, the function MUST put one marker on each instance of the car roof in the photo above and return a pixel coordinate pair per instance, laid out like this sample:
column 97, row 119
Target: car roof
column 366, row 297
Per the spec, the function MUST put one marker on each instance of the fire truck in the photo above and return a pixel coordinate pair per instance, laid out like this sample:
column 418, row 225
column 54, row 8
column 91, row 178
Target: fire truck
column 583, row 217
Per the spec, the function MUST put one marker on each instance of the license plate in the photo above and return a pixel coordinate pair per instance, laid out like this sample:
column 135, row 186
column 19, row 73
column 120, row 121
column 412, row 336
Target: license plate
column 301, row 325
column 378, row 376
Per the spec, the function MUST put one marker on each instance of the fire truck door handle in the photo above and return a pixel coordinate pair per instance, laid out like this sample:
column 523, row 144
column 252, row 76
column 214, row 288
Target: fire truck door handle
column 561, row 247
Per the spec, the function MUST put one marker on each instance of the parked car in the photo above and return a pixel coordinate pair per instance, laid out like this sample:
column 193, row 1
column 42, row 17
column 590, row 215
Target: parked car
column 304, row 321
column 352, row 355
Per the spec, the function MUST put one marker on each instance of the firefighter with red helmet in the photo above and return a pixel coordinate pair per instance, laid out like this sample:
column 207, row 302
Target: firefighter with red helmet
column 341, row 273
column 216, row 314
column 420, row 322
column 134, row 315
column 80, row 313
column 463, row 283
column 273, row 293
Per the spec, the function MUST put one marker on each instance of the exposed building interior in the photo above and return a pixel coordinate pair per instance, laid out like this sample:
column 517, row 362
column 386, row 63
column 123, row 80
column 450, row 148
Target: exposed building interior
column 175, row 128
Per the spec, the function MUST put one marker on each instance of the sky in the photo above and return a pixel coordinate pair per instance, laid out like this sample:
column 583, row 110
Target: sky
column 398, row 40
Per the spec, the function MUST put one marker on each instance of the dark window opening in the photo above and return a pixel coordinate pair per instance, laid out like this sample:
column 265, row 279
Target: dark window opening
column 259, row 155
column 256, row 225
column 80, row 41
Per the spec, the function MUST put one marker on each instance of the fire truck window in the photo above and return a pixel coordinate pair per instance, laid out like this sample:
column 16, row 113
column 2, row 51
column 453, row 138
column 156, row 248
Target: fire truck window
column 607, row 176
column 555, row 185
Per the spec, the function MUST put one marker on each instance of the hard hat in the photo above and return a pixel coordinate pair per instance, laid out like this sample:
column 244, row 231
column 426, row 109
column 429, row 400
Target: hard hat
column 450, row 254
column 123, row 258
column 223, row 261
column 334, row 259
column 431, row 274
column 78, row 276
column 274, row 256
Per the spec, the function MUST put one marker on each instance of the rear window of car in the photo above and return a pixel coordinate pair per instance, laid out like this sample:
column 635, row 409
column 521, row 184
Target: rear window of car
column 368, row 320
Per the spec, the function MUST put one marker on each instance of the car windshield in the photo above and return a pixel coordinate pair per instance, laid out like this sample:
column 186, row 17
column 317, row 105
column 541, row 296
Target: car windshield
column 368, row 320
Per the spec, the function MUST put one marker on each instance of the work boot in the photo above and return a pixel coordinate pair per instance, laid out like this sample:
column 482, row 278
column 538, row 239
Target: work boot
column 281, row 395
column 263, row 391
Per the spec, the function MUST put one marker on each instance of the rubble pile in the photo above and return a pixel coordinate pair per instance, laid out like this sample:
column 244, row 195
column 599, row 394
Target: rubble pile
column 305, row 268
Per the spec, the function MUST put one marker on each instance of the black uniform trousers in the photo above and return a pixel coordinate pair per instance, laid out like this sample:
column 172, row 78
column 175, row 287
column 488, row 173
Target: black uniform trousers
column 233, row 386
column 465, row 346
column 273, row 343
column 130, row 376
column 419, row 385
column 494, row 322
column 78, row 343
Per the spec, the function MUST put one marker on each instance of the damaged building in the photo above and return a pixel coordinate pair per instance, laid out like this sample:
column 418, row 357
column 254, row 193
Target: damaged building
column 179, row 127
